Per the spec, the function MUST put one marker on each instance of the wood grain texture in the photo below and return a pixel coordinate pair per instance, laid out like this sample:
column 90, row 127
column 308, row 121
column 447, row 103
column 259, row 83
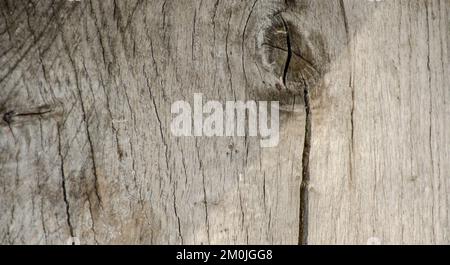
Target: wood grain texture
column 86, row 149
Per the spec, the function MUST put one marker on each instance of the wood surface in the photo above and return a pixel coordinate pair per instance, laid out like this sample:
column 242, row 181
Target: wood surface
column 86, row 150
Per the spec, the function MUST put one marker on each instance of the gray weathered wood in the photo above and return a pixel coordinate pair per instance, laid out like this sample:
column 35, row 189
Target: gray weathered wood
column 86, row 149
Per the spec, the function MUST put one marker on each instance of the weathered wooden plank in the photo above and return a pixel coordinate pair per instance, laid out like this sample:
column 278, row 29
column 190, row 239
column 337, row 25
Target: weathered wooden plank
column 376, row 154
column 87, row 151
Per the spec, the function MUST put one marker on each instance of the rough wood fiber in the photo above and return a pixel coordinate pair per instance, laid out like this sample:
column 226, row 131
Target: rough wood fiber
column 86, row 150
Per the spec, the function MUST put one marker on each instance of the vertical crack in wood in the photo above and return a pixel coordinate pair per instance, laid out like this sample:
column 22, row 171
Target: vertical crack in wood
column 304, row 192
column 228, row 56
column 304, row 186
column 352, row 87
column 63, row 184
column 158, row 118
column 243, row 40
column 166, row 147
column 193, row 36
column 180, row 234
column 430, row 132
column 205, row 199
column 289, row 52
column 85, row 121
